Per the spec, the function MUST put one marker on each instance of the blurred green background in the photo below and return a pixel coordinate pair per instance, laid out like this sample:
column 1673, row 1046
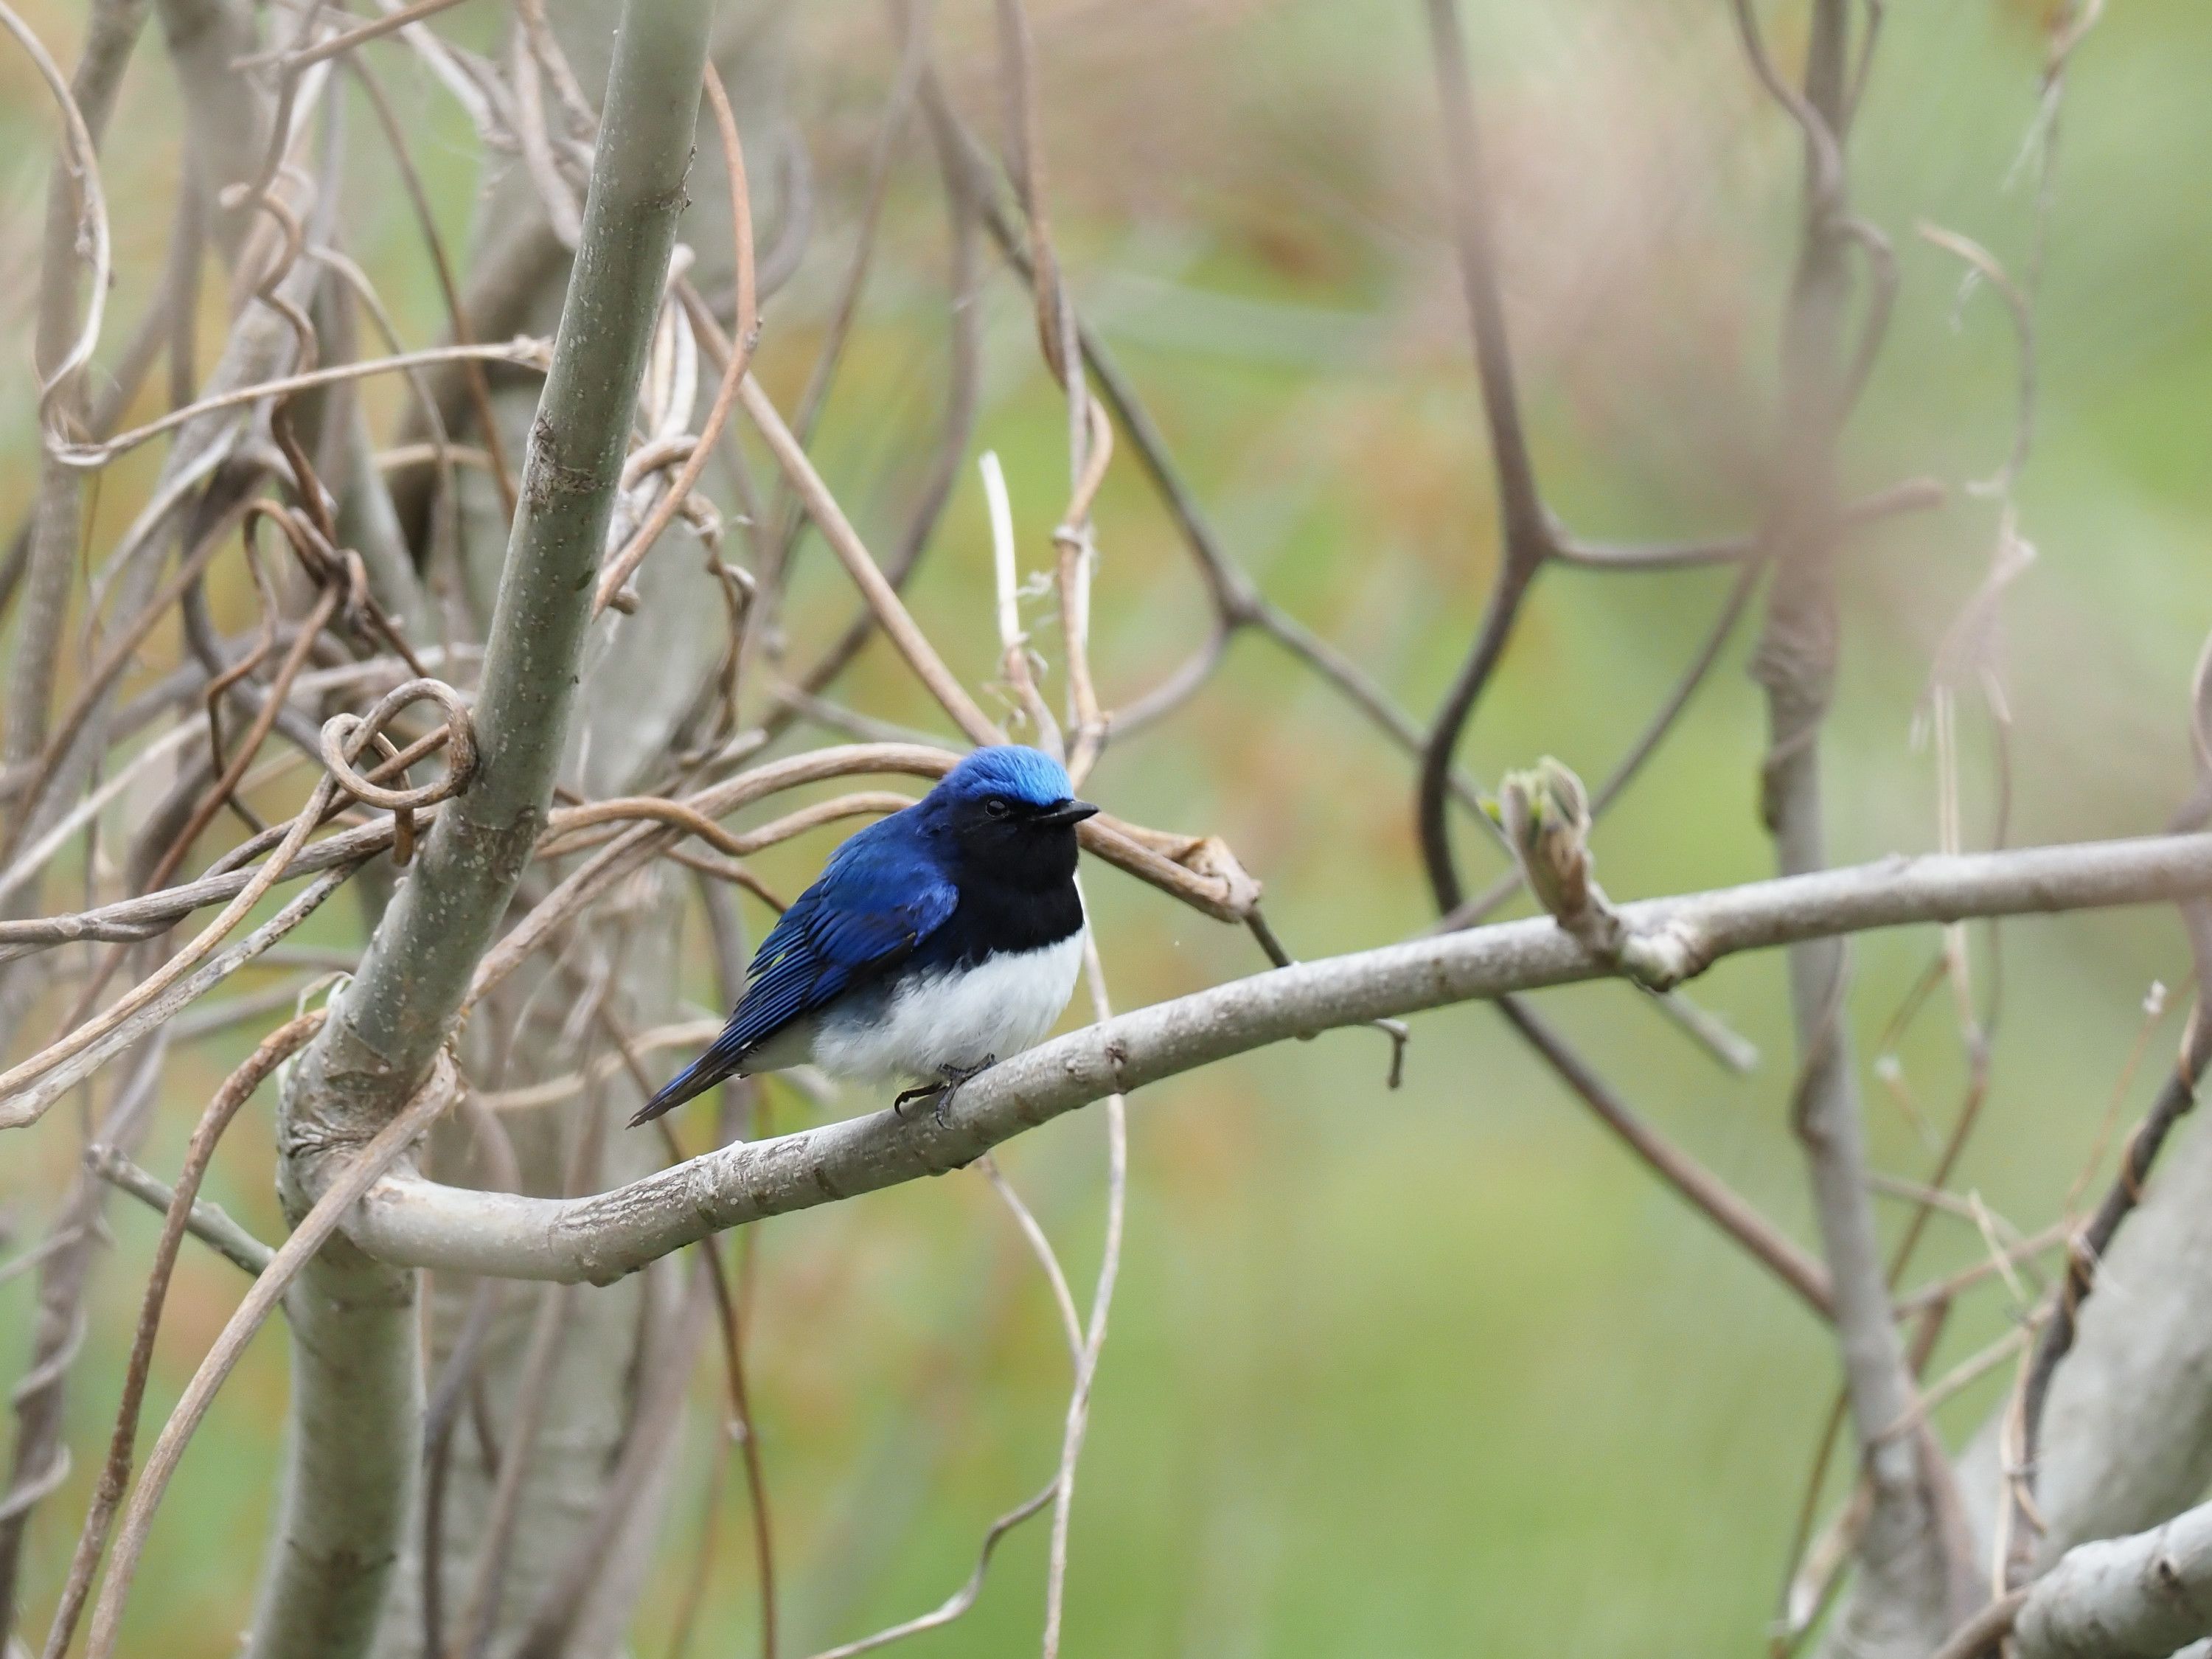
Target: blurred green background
column 1439, row 1370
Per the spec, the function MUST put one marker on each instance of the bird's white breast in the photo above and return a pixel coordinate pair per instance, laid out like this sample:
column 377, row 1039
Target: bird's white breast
column 957, row 1018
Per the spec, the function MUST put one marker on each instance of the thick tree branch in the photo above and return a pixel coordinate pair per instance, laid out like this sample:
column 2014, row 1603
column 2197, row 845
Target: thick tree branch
column 413, row 1221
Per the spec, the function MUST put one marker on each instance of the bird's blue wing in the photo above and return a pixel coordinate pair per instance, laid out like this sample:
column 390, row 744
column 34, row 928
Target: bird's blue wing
column 876, row 901
column 856, row 922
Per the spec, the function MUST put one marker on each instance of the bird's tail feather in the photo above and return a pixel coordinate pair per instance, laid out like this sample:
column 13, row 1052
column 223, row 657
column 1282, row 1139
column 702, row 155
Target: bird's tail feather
column 701, row 1075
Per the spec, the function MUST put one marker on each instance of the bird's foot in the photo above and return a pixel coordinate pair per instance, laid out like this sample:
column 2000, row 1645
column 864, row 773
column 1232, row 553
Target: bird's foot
column 939, row 1094
column 955, row 1077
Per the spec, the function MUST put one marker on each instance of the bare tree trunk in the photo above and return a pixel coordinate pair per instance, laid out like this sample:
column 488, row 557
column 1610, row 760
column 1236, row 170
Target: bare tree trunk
column 2127, row 1435
column 1910, row 1551
column 571, row 1570
column 331, row 1563
column 597, row 1366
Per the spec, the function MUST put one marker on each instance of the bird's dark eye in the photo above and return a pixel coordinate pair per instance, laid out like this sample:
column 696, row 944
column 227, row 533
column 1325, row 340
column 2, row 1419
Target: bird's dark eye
column 996, row 808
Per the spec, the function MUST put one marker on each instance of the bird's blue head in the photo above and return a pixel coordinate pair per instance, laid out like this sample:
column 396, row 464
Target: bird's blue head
column 1021, row 776
column 1010, row 811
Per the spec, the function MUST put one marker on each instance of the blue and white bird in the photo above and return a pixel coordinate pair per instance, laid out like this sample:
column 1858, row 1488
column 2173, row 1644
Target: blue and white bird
column 938, row 941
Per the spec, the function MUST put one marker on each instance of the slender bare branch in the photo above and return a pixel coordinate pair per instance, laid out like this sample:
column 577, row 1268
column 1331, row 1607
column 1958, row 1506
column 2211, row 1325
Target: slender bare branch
column 182, row 1211
column 359, row 1171
column 1094, row 1330
column 1705, row 1191
column 626, row 561
column 210, row 1224
column 1525, row 530
column 891, row 614
column 63, row 346
column 1917, row 1579
column 39, row 1460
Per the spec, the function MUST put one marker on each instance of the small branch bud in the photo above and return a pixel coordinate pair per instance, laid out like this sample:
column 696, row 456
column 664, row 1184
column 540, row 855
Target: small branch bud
column 1545, row 813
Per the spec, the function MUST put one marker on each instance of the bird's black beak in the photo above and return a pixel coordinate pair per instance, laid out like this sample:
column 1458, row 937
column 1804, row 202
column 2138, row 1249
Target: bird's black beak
column 1068, row 811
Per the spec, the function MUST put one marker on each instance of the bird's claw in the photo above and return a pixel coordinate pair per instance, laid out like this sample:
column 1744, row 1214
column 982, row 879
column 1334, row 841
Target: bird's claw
column 939, row 1094
column 956, row 1077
